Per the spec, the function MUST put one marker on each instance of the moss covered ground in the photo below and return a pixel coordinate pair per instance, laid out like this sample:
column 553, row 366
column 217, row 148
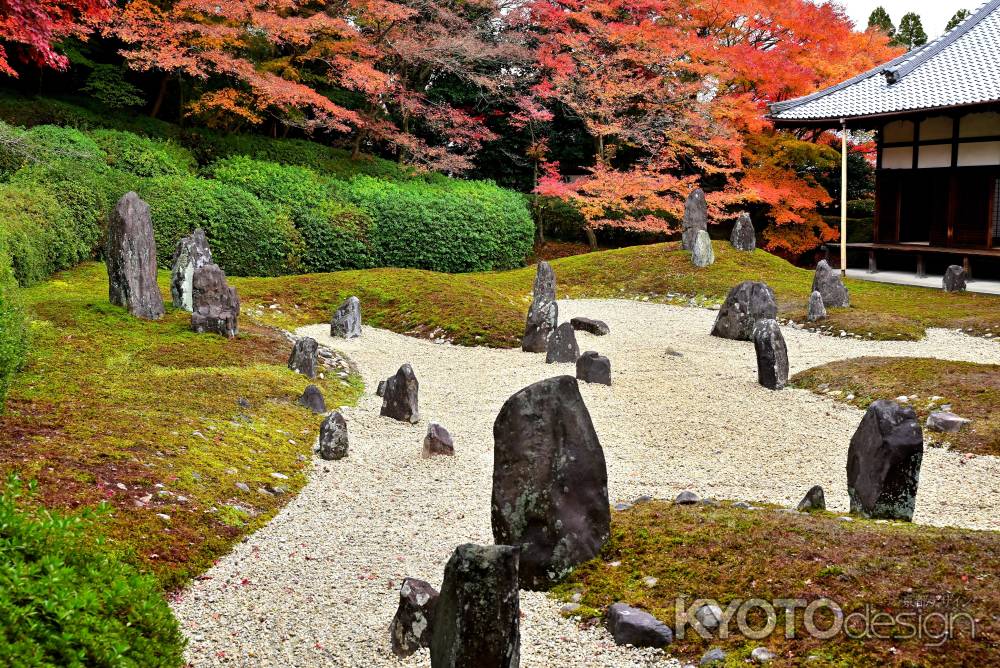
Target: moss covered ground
column 488, row 308
column 725, row 553
column 145, row 416
column 972, row 391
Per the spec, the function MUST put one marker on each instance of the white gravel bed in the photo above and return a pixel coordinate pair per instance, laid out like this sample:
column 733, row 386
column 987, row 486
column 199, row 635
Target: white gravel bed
column 319, row 585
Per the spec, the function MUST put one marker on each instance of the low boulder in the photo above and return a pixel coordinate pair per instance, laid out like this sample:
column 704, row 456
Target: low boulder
column 593, row 368
column 702, row 253
column 635, row 627
column 946, row 422
column 686, row 498
column 817, row 310
column 216, row 304
column 883, row 462
column 313, row 399
column 130, row 256
column 413, row 625
column 695, row 218
column 746, row 304
column 562, row 346
column 772, row 354
column 190, row 253
column 595, row 327
column 743, row 238
column 438, row 441
column 477, row 615
column 550, row 481
column 305, row 357
column 543, row 315
column 814, row 499
column 333, row 441
column 399, row 401
column 828, row 284
column 955, row 279
column 346, row 321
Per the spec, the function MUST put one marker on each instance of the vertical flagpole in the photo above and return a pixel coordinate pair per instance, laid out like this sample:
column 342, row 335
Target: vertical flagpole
column 843, row 197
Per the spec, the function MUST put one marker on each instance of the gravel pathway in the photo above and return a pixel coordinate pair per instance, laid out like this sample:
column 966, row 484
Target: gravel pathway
column 318, row 585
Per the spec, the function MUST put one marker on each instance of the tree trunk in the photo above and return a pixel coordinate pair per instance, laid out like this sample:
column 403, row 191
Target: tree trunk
column 160, row 96
column 591, row 237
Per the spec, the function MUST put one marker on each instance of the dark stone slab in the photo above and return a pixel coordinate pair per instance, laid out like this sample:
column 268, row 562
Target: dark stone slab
column 883, row 462
column 746, row 304
column 562, row 346
column 313, row 399
column 695, row 218
column 346, row 321
column 413, row 625
column 635, row 627
column 333, row 440
column 305, row 357
column 400, row 400
column 595, row 327
column 543, row 316
column 743, row 237
column 772, row 354
column 814, row 499
column 130, row 255
column 955, row 279
column 827, row 282
column 216, row 305
column 593, row 368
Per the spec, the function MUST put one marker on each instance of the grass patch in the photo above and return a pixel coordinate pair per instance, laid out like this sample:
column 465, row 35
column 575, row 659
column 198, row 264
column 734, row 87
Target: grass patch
column 489, row 308
column 972, row 390
column 145, row 416
column 724, row 553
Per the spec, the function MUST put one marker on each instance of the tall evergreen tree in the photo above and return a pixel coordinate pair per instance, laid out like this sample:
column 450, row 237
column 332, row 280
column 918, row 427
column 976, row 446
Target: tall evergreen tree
column 959, row 16
column 911, row 31
column 880, row 19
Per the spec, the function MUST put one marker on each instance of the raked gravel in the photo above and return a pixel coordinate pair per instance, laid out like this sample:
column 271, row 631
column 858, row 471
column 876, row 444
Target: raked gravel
column 319, row 585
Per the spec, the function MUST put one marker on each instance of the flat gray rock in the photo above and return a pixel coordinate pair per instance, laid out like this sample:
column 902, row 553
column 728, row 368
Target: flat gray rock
column 946, row 421
column 595, row 327
column 635, row 627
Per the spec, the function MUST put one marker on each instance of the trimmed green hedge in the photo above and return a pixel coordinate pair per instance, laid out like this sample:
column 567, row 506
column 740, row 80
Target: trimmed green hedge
column 64, row 601
column 13, row 329
column 38, row 233
column 142, row 156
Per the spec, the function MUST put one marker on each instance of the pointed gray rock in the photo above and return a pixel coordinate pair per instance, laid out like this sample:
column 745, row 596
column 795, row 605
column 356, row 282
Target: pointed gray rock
column 216, row 304
column 817, row 310
column 305, row 357
column 955, row 279
column 562, row 346
column 702, row 254
column 413, row 625
column 477, row 615
column 550, row 481
column 883, row 462
column 192, row 252
column 333, row 440
column 772, row 354
column 313, row 399
column 400, row 401
column 814, row 499
column 743, row 237
column 827, row 282
column 695, row 218
column 592, row 367
column 438, row 441
column 946, row 421
column 635, row 627
column 746, row 304
column 543, row 315
column 346, row 321
column 130, row 255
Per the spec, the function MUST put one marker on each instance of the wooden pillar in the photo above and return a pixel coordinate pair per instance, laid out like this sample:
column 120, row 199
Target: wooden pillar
column 843, row 198
column 921, row 269
column 872, row 266
column 968, row 268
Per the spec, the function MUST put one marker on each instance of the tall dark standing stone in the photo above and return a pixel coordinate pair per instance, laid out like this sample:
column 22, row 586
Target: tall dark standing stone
column 954, row 279
column 695, row 218
column 333, row 437
column 772, row 354
column 216, row 305
column 305, row 357
column 743, row 237
column 192, row 252
column 346, row 321
column 883, row 462
column 746, row 304
column 130, row 254
column 550, row 482
column 477, row 616
column 543, row 316
column 413, row 625
column 827, row 282
column 400, row 398
column 562, row 346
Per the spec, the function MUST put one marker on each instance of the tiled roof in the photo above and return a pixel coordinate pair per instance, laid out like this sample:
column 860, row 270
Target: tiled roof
column 962, row 67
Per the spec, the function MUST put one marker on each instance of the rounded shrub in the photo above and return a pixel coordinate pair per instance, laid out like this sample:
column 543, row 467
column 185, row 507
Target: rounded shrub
column 50, row 142
column 142, row 156
column 65, row 601
column 336, row 236
column 38, row 232
column 291, row 186
column 13, row 330
column 248, row 237
column 458, row 226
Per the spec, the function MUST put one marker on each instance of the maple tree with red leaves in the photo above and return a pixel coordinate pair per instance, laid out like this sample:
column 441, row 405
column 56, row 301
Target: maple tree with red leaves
column 28, row 28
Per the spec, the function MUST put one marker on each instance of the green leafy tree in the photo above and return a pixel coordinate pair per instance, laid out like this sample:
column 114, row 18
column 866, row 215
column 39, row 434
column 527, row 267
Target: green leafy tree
column 911, row 31
column 959, row 16
column 880, row 19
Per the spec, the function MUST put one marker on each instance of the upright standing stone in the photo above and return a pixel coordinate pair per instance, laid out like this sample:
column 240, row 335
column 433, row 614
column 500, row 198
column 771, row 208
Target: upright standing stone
column 399, row 400
column 130, row 255
column 192, row 252
column 333, row 440
column 743, row 237
column 817, row 310
column 702, row 254
column 827, row 282
column 346, row 321
column 772, row 354
column 305, row 357
column 550, row 481
column 543, row 316
column 413, row 625
column 216, row 305
column 562, row 346
column 814, row 499
column 955, row 279
column 313, row 399
column 438, row 441
column 747, row 303
column 695, row 218
column 883, row 462
column 477, row 616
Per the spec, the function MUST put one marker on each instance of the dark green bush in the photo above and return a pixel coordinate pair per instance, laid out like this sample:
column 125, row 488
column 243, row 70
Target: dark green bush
column 560, row 219
column 31, row 111
column 142, row 156
column 64, row 601
column 38, row 232
column 13, row 331
column 290, row 186
column 337, row 236
column 861, row 208
column 248, row 237
column 50, row 142
column 455, row 226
